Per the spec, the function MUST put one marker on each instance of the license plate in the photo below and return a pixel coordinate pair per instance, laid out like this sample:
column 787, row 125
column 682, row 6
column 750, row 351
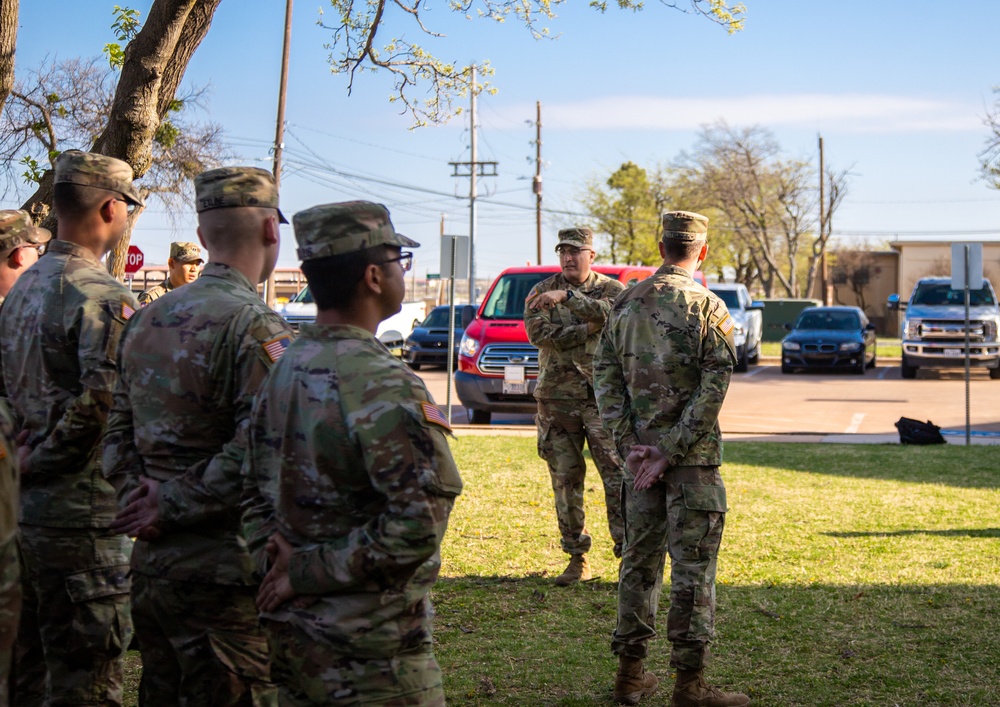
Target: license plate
column 514, row 381
column 953, row 352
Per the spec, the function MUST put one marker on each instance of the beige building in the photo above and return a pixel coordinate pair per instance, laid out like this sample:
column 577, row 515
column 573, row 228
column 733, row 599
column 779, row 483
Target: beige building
column 866, row 278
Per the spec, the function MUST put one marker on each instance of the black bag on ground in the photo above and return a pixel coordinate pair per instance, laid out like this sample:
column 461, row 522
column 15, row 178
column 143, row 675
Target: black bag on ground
column 917, row 432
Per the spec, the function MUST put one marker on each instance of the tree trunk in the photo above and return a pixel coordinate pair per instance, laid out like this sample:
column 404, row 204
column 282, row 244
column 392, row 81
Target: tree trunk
column 155, row 62
column 8, row 43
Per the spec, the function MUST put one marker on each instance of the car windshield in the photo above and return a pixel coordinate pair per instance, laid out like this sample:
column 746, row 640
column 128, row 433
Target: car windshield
column 730, row 297
column 304, row 297
column 937, row 294
column 438, row 319
column 506, row 301
column 828, row 321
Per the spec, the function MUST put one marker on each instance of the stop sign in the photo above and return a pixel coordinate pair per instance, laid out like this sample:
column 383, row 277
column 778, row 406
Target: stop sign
column 134, row 260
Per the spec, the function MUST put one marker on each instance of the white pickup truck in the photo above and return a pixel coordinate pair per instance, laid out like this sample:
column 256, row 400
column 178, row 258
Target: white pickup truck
column 748, row 318
column 392, row 332
column 934, row 327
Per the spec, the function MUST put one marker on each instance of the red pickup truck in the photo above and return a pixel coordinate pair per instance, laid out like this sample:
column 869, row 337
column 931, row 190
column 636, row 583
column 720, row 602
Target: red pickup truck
column 497, row 367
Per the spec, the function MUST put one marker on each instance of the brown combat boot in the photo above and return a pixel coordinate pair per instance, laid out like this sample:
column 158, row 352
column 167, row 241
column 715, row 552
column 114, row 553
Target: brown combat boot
column 577, row 569
column 632, row 683
column 691, row 690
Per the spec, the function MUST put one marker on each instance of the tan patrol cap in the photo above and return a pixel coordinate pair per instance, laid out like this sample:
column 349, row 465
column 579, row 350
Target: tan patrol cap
column 230, row 187
column 90, row 169
column 684, row 226
column 347, row 227
column 578, row 237
column 17, row 228
column 186, row 252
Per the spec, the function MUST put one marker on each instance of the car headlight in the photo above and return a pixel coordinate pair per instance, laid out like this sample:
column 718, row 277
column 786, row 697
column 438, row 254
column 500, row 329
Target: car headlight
column 739, row 334
column 850, row 346
column 990, row 327
column 911, row 329
column 790, row 346
column 468, row 347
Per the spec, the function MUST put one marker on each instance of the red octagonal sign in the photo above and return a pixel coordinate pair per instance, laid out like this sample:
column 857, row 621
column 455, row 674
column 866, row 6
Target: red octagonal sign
column 134, row 260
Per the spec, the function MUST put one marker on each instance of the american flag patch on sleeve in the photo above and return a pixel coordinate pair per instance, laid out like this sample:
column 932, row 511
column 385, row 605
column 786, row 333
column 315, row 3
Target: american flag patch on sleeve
column 433, row 415
column 726, row 325
column 127, row 310
column 275, row 347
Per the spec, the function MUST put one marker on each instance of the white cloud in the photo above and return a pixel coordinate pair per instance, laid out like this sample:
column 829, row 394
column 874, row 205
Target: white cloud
column 858, row 113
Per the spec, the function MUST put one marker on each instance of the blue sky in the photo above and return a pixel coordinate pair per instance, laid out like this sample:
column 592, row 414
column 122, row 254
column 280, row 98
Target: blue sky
column 898, row 91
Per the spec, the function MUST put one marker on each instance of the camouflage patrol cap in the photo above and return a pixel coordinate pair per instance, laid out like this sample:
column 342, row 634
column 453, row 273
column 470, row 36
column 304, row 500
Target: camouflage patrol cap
column 16, row 228
column 228, row 187
column 347, row 227
column 684, row 226
column 90, row 169
column 579, row 237
column 185, row 252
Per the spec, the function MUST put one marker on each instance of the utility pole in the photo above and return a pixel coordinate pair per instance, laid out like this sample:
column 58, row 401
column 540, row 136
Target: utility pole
column 536, row 185
column 823, row 271
column 476, row 169
column 279, row 132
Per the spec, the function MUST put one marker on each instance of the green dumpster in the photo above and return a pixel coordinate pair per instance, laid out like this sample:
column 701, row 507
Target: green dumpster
column 778, row 312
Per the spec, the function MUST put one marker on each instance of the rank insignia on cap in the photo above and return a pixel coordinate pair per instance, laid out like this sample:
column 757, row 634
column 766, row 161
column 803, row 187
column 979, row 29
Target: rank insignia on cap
column 127, row 310
column 275, row 347
column 726, row 325
column 433, row 415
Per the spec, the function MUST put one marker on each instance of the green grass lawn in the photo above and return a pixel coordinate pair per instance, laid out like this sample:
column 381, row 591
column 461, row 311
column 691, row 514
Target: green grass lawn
column 890, row 348
column 850, row 575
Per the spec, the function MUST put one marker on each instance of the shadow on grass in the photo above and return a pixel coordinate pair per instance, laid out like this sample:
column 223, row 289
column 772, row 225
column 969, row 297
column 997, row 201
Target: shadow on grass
column 953, row 533
column 950, row 465
column 523, row 641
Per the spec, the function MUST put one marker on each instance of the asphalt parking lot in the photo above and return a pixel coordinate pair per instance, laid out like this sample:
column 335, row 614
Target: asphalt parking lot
column 764, row 401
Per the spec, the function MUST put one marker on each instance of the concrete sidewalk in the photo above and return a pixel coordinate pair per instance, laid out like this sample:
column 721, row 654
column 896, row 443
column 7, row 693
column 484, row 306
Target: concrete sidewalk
column 950, row 436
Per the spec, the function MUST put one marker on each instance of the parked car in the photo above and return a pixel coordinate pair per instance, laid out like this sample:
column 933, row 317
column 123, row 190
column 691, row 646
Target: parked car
column 301, row 309
column 934, row 327
column 748, row 318
column 829, row 337
column 427, row 344
column 497, row 366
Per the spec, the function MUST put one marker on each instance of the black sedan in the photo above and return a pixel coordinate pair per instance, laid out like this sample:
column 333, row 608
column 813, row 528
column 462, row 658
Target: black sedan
column 829, row 337
column 427, row 344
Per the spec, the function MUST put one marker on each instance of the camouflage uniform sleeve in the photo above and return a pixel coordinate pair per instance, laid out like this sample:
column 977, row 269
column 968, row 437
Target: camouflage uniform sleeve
column 595, row 305
column 121, row 461
column 409, row 463
column 542, row 331
column 613, row 400
column 700, row 415
column 99, row 322
column 257, row 512
column 213, row 487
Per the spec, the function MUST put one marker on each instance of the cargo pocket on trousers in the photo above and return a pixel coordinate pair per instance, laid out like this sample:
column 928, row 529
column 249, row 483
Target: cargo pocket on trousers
column 704, row 519
column 242, row 655
column 100, row 598
column 544, row 428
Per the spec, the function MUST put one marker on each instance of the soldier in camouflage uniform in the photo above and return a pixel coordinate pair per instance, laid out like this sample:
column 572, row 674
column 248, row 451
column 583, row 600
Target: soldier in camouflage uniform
column 564, row 315
column 10, row 576
column 661, row 372
column 182, row 268
column 350, row 482
column 190, row 364
column 59, row 332
column 21, row 244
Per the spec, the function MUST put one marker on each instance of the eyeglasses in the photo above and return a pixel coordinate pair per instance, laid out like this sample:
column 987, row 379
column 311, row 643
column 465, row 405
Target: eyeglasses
column 40, row 247
column 405, row 261
column 129, row 206
column 569, row 250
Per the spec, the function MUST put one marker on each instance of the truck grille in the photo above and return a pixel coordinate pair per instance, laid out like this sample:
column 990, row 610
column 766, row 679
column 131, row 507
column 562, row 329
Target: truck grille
column 945, row 330
column 496, row 356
